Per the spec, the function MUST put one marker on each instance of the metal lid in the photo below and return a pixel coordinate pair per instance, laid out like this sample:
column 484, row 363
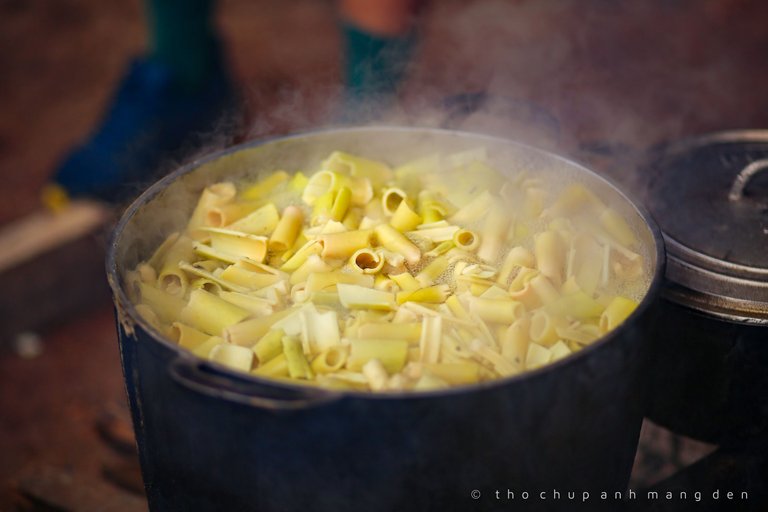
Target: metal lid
column 710, row 198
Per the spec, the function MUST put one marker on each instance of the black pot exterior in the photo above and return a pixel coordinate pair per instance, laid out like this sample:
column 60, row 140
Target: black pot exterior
column 212, row 440
column 709, row 376
column 571, row 429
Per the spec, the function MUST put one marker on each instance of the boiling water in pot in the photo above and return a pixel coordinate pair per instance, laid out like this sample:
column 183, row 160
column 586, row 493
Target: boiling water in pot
column 444, row 270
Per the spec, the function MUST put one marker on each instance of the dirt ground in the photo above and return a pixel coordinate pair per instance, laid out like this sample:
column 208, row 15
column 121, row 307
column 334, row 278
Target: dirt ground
column 629, row 72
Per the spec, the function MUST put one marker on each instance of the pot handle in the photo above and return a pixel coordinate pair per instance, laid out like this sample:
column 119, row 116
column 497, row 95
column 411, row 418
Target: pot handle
column 746, row 174
column 206, row 380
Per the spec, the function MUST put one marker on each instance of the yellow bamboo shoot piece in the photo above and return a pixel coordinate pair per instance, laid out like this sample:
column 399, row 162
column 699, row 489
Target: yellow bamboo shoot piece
column 617, row 227
column 269, row 346
column 237, row 243
column 431, row 295
column 248, row 332
column 377, row 172
column 262, row 188
column 166, row 306
column 559, row 350
column 287, row 229
column 359, row 297
column 404, row 218
column 248, row 279
column 212, row 196
column 429, row 382
column 391, row 353
column 341, row 203
column 405, row 281
column 376, row 374
column 391, row 199
column 366, row 261
column 432, row 271
column 233, row 356
column 344, row 245
column 221, row 216
column 616, row 312
column 496, row 310
column 324, row 280
column 186, row 336
column 275, row 367
column 550, row 255
column 494, row 233
column 204, row 349
column 212, row 278
column 396, row 242
column 211, row 314
column 171, row 278
column 261, row 221
column 429, row 343
column 298, row 366
column 465, row 372
column 577, row 305
column 537, row 356
column 543, row 328
column 514, row 343
column 330, row 360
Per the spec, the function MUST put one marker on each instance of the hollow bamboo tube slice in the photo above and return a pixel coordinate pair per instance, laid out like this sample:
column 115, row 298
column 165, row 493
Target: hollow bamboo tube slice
column 343, row 245
column 275, row 367
column 298, row 366
column 393, row 240
column 391, row 200
column 494, row 234
column 391, row 353
column 404, row 218
column 454, row 373
column 543, row 328
column 167, row 307
column 232, row 356
column 212, row 196
column 341, row 202
column 466, row 240
column 210, row 314
column 269, row 346
column 171, row 278
column 259, row 222
column 248, row 332
column 330, row 360
column 550, row 255
column 616, row 312
column 514, row 342
column 186, row 336
column 236, row 243
column 287, row 229
column 204, row 349
column 496, row 310
column 224, row 215
column 376, row 374
column 366, row 261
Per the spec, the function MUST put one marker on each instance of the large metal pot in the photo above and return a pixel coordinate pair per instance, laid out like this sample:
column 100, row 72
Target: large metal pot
column 710, row 374
column 211, row 439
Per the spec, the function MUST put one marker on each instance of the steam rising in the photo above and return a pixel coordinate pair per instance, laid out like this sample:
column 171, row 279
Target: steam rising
column 583, row 79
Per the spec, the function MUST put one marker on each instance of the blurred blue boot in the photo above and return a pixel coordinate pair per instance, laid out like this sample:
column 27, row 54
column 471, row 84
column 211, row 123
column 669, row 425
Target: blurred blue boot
column 180, row 90
column 151, row 118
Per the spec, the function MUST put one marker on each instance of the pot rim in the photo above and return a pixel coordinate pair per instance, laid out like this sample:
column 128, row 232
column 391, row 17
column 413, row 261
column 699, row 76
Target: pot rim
column 128, row 316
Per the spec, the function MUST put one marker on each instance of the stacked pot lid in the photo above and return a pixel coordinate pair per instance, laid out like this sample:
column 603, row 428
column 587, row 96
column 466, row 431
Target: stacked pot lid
column 710, row 198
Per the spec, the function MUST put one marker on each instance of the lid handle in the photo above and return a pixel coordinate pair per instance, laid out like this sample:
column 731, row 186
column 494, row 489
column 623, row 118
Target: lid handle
column 746, row 174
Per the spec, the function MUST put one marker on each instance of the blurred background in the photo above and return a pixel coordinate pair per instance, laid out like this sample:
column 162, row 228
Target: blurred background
column 599, row 81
